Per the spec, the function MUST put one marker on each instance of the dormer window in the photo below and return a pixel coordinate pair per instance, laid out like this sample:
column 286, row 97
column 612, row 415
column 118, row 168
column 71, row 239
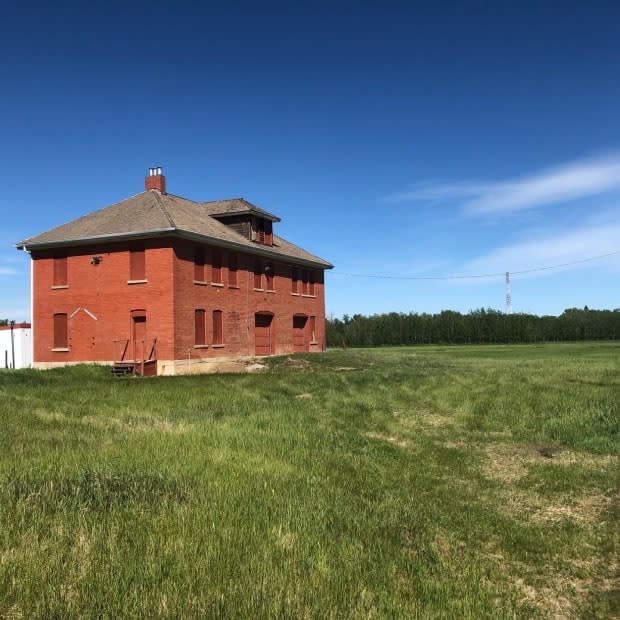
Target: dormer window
column 244, row 218
column 263, row 231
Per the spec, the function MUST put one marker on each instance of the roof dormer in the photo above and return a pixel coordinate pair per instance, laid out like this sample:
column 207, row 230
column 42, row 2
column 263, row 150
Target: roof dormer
column 254, row 223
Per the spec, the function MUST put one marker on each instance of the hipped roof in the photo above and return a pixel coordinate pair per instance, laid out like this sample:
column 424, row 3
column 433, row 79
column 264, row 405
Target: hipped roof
column 153, row 214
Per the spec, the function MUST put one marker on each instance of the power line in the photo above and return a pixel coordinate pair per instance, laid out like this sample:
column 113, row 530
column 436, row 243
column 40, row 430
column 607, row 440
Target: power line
column 478, row 275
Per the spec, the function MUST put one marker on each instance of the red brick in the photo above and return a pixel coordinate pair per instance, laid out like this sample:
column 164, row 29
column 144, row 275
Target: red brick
column 99, row 301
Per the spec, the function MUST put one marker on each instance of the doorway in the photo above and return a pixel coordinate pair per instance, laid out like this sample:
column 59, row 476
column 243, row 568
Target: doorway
column 263, row 334
column 299, row 333
column 138, row 334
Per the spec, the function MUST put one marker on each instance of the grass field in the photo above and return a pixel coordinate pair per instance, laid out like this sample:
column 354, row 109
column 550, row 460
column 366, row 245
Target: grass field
column 454, row 482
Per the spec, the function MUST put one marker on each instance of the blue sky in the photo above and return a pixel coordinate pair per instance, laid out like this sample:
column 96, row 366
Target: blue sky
column 417, row 139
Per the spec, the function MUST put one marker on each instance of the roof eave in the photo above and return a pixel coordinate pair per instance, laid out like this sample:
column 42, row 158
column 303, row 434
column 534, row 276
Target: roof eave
column 45, row 245
column 185, row 234
column 265, row 216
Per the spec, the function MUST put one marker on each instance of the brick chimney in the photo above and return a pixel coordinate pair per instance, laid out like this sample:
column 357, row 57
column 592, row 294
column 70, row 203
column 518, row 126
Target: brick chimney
column 155, row 180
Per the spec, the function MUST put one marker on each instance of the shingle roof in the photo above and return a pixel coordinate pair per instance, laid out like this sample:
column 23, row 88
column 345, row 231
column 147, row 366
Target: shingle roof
column 236, row 206
column 151, row 213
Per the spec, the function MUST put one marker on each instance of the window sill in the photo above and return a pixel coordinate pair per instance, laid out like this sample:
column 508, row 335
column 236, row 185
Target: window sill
column 201, row 346
column 233, row 286
column 259, row 290
column 270, row 290
column 60, row 349
column 313, row 342
column 218, row 284
column 311, row 296
column 59, row 286
column 201, row 282
column 137, row 281
column 295, row 294
column 217, row 346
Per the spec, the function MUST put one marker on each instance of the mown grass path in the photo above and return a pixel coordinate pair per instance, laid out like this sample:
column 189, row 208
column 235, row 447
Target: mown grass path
column 443, row 482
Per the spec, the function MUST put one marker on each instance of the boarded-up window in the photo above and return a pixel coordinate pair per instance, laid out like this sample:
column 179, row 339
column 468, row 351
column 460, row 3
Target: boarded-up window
column 258, row 274
column 216, row 266
column 60, row 270
column 199, row 264
column 268, row 232
column 260, row 230
column 137, row 270
column 295, row 280
column 269, row 277
column 61, row 332
column 218, row 333
column 304, row 282
column 312, row 328
column 311, row 289
column 200, row 332
column 232, row 269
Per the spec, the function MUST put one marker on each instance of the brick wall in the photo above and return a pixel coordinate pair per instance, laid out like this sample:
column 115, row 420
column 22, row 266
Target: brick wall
column 99, row 301
column 239, row 305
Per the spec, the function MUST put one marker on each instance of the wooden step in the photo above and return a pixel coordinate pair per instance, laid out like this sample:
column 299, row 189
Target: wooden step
column 121, row 369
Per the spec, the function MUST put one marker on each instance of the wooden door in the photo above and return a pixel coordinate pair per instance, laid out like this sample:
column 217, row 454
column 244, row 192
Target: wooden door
column 263, row 334
column 139, row 336
column 299, row 333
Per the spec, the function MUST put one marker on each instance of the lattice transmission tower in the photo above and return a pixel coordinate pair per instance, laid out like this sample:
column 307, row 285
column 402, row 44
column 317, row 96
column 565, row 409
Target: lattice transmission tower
column 508, row 295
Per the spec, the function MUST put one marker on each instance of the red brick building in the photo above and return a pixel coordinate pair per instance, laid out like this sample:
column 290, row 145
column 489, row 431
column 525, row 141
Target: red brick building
column 161, row 283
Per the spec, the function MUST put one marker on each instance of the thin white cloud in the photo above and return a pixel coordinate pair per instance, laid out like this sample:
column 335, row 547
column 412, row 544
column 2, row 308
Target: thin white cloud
column 578, row 179
column 572, row 246
column 8, row 271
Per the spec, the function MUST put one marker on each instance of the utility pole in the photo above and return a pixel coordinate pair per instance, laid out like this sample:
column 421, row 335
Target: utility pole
column 12, row 344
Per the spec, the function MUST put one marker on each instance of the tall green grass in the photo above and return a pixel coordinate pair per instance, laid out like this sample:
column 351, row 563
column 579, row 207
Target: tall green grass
column 469, row 482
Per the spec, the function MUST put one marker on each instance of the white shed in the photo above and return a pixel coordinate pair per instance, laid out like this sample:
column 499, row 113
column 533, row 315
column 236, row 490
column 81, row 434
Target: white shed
column 16, row 346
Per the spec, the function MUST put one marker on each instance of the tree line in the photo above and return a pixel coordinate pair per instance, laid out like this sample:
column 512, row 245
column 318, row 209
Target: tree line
column 482, row 326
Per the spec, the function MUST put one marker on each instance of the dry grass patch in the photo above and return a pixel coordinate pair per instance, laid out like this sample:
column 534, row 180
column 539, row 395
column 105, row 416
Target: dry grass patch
column 423, row 418
column 510, row 462
column 547, row 600
column 560, row 597
column 540, row 510
column 284, row 538
column 126, row 424
column 49, row 416
column 402, row 443
column 137, row 425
